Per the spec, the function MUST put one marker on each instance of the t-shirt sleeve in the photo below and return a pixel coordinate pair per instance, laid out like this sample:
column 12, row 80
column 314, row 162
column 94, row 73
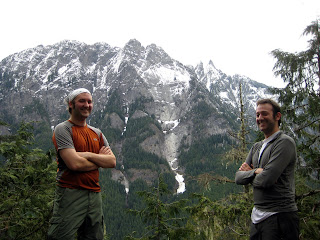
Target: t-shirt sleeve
column 62, row 137
column 105, row 141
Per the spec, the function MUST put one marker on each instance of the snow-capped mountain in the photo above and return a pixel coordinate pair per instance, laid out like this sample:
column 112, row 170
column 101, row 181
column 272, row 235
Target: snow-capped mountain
column 179, row 104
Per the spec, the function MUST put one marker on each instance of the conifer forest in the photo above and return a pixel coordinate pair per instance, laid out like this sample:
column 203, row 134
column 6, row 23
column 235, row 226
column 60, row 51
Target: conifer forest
column 212, row 208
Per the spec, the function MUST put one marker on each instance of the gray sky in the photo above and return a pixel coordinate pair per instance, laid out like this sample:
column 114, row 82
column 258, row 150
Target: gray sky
column 237, row 35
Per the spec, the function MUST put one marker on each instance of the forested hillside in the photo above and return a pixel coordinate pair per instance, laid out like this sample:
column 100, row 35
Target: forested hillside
column 140, row 199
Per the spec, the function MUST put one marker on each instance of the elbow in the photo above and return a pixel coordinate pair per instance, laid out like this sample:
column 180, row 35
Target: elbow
column 237, row 180
column 241, row 182
column 78, row 165
column 113, row 162
column 74, row 167
column 244, row 177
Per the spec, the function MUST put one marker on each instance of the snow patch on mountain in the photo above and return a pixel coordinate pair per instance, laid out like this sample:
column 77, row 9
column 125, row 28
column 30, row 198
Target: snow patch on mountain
column 116, row 61
column 134, row 72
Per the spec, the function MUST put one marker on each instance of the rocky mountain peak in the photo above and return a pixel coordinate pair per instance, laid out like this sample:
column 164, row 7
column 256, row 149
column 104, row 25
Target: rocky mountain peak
column 179, row 105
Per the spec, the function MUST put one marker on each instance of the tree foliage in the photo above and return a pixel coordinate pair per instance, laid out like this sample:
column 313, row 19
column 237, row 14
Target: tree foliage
column 239, row 153
column 300, row 101
column 164, row 219
column 27, row 174
column 27, row 180
column 195, row 218
column 301, row 97
column 226, row 218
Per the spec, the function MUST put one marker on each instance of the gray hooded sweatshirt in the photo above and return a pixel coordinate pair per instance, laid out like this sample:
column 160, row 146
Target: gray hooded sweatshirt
column 274, row 188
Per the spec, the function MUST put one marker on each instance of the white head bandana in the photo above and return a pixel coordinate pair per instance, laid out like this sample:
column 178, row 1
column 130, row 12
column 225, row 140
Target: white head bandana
column 75, row 93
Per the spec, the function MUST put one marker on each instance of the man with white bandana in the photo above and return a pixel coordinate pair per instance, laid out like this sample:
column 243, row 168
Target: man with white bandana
column 269, row 167
column 81, row 151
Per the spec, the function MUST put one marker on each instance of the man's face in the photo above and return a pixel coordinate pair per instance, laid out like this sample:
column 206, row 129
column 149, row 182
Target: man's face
column 82, row 106
column 266, row 122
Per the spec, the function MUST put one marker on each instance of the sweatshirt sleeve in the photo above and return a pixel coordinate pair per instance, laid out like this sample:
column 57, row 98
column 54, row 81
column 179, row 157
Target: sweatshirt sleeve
column 246, row 177
column 282, row 154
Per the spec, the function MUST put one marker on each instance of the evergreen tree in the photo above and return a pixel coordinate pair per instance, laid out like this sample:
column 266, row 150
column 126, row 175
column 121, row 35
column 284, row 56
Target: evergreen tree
column 239, row 153
column 224, row 219
column 228, row 217
column 301, row 110
column 301, row 97
column 164, row 219
column 27, row 179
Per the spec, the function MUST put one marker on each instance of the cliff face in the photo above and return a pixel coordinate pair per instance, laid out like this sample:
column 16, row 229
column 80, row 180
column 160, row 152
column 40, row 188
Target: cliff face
column 141, row 96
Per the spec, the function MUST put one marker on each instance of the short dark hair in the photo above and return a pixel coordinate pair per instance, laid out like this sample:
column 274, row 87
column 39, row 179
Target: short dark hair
column 275, row 106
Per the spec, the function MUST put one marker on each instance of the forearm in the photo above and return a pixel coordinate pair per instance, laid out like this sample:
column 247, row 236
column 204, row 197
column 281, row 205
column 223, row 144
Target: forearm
column 244, row 177
column 76, row 162
column 101, row 160
column 84, row 165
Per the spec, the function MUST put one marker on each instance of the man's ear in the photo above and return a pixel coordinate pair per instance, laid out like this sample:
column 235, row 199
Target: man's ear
column 278, row 116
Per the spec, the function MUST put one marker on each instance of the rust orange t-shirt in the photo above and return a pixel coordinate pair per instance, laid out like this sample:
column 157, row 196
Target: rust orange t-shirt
column 82, row 139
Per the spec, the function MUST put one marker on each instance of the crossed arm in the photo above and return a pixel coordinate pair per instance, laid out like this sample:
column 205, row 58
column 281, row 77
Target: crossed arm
column 87, row 161
column 246, row 174
column 245, row 167
column 283, row 153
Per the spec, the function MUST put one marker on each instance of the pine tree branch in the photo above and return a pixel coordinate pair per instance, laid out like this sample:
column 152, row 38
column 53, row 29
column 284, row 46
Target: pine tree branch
column 240, row 234
column 307, row 125
column 311, row 193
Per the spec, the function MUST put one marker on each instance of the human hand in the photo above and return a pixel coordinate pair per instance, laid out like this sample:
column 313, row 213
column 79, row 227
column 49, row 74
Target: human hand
column 105, row 150
column 258, row 170
column 245, row 167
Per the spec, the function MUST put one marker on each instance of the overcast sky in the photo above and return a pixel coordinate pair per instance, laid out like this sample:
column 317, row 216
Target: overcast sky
column 237, row 35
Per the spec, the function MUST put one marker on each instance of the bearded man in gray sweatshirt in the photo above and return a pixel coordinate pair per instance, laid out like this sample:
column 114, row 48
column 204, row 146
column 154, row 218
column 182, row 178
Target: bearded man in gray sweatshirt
column 269, row 167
